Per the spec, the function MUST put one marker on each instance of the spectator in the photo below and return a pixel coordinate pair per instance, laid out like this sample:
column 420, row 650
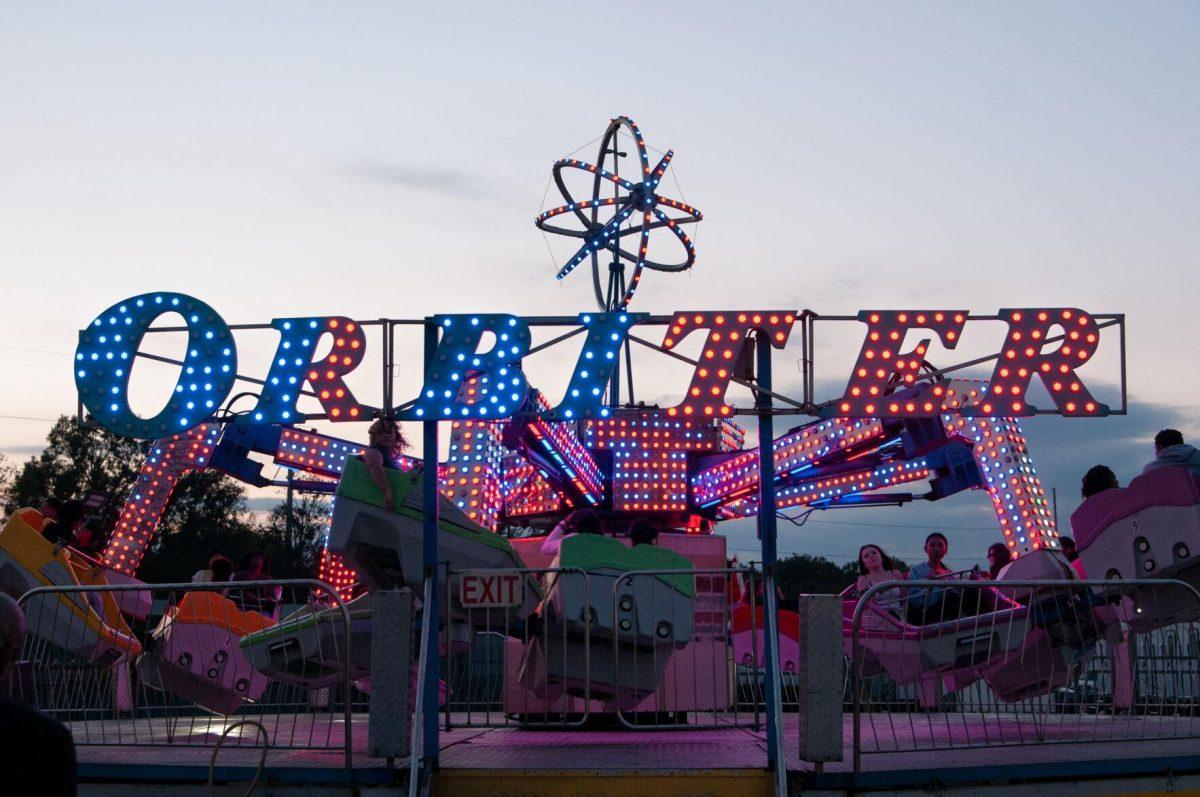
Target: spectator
column 205, row 576
column 643, row 532
column 386, row 445
column 1171, row 451
column 998, row 556
column 1098, row 479
column 876, row 567
column 581, row 521
column 37, row 755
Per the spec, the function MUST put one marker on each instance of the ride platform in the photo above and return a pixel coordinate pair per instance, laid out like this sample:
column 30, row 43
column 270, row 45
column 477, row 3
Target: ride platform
column 510, row 760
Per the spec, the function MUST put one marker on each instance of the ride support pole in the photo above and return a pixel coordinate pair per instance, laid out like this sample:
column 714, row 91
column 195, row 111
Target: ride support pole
column 429, row 559
column 766, row 536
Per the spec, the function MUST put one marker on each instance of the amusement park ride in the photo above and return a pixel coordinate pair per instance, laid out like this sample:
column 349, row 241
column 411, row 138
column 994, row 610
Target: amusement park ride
column 519, row 461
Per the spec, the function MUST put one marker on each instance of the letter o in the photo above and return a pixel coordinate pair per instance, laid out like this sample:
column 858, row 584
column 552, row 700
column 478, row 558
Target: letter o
column 107, row 348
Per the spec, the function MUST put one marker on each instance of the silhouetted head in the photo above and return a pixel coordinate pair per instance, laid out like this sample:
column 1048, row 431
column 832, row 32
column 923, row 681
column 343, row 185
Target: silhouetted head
column 50, row 507
column 643, row 531
column 255, row 564
column 1166, row 438
column 222, row 568
column 586, row 521
column 1098, row 479
column 70, row 515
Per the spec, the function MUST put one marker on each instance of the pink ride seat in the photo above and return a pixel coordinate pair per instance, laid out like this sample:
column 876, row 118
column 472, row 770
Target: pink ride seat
column 1162, row 487
column 1150, row 529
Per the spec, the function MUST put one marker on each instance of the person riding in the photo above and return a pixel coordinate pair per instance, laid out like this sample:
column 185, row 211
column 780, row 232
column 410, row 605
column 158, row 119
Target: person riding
column 90, row 539
column 38, row 518
column 642, row 531
column 386, row 444
column 581, row 521
column 1170, row 451
column 1098, row 479
column 998, row 557
column 255, row 566
column 220, row 569
column 206, row 576
column 876, row 567
column 926, row 604
column 68, row 518
column 1068, row 548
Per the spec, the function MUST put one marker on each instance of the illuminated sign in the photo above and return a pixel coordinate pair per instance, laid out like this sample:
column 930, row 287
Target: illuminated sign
column 108, row 346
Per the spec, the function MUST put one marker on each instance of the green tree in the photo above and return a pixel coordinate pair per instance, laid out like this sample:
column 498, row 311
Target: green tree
column 295, row 550
column 806, row 574
column 79, row 459
column 7, row 474
column 206, row 511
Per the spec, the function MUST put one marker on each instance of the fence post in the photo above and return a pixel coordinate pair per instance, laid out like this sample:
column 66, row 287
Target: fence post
column 821, row 678
column 766, row 534
column 430, row 498
column 391, row 673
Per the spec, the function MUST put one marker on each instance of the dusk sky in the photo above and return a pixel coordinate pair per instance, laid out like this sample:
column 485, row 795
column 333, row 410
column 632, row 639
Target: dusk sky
column 372, row 160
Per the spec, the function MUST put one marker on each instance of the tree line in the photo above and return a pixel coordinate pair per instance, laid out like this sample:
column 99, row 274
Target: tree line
column 206, row 510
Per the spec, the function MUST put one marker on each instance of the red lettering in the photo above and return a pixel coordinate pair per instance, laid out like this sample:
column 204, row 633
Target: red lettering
column 294, row 365
column 511, row 582
column 1021, row 358
column 470, row 586
column 883, row 370
column 727, row 333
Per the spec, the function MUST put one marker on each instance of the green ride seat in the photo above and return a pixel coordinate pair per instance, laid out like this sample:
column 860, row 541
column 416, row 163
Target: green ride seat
column 385, row 547
column 309, row 646
column 633, row 623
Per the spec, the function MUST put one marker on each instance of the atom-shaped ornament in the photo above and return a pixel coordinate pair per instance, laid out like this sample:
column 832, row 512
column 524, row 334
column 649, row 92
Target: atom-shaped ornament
column 601, row 217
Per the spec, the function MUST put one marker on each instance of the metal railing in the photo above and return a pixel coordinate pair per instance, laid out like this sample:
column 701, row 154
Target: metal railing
column 183, row 673
column 415, row 757
column 686, row 664
column 517, row 649
column 550, row 668
column 937, row 665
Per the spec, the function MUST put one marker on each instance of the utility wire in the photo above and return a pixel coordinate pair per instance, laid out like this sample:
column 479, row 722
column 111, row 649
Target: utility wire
column 905, row 525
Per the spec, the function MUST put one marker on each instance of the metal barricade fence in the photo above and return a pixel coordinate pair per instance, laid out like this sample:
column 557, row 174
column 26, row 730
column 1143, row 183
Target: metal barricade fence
column 176, row 664
column 950, row 664
column 679, row 655
column 518, row 647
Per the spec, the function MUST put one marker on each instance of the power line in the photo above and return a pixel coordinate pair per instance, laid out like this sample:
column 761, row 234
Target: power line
column 904, row 525
column 35, row 351
column 27, row 418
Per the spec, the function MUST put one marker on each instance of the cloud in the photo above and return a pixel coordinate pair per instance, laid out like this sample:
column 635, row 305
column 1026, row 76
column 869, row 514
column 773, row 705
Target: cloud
column 449, row 182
